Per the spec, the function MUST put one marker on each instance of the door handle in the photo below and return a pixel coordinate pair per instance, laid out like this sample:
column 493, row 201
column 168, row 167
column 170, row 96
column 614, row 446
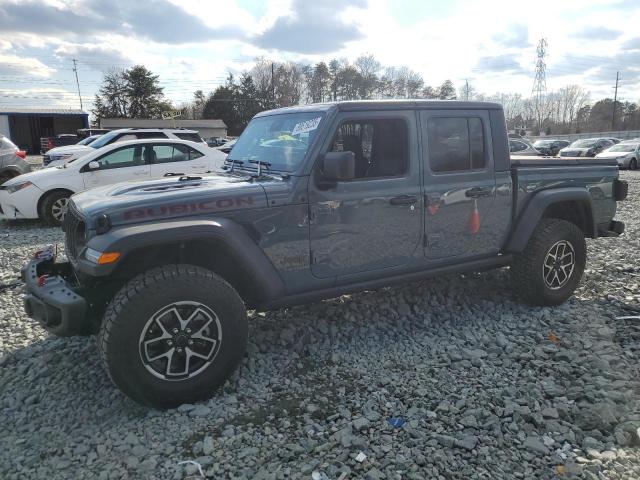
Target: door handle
column 478, row 192
column 403, row 200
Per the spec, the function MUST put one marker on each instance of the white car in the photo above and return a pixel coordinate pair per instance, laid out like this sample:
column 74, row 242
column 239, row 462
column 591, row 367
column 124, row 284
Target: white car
column 45, row 193
column 627, row 154
column 60, row 155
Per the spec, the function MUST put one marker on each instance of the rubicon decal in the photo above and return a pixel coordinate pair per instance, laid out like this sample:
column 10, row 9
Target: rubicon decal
column 188, row 208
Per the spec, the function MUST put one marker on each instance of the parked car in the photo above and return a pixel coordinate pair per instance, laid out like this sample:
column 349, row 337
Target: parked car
column 614, row 139
column 12, row 160
column 586, row 147
column 226, row 147
column 62, row 155
column 550, row 146
column 47, row 143
column 302, row 214
column 58, row 155
column 626, row 153
column 216, row 141
column 44, row 194
column 88, row 132
column 520, row 147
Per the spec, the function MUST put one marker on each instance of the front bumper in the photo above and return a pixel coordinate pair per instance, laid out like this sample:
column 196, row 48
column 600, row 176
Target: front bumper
column 50, row 298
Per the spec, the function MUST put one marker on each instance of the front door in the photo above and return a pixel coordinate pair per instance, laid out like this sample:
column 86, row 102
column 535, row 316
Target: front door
column 126, row 163
column 373, row 221
column 459, row 185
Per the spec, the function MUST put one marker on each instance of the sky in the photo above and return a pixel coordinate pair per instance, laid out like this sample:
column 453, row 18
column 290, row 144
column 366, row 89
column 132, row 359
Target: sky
column 194, row 44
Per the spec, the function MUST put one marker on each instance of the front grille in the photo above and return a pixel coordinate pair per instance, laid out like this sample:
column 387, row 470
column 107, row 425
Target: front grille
column 74, row 232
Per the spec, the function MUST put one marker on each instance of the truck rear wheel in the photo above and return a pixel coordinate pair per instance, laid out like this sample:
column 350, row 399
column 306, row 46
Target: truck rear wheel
column 548, row 271
column 173, row 335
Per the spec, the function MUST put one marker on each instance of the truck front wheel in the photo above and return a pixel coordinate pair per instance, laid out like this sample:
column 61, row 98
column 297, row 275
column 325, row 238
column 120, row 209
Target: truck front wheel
column 548, row 271
column 173, row 335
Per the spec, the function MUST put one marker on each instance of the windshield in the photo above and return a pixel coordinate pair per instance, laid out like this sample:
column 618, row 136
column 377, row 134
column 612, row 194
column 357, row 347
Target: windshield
column 586, row 143
column 104, row 139
column 280, row 140
column 624, row 147
column 88, row 140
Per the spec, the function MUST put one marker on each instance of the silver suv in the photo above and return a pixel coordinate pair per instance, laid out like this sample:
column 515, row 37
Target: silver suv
column 60, row 155
column 12, row 160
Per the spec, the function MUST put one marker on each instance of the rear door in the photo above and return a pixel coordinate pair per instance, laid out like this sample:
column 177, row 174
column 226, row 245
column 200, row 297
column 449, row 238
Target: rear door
column 459, row 184
column 119, row 165
column 176, row 158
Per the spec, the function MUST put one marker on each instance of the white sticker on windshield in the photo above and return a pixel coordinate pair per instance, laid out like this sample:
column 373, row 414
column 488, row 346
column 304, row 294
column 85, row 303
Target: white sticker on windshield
column 306, row 126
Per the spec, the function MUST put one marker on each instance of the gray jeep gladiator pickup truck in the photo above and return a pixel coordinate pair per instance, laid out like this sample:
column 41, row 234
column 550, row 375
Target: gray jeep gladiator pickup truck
column 313, row 202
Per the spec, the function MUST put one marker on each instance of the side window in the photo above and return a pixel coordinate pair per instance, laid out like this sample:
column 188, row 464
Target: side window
column 456, row 144
column 124, row 157
column 173, row 153
column 515, row 146
column 379, row 146
column 124, row 138
column 192, row 137
column 150, row 135
column 193, row 153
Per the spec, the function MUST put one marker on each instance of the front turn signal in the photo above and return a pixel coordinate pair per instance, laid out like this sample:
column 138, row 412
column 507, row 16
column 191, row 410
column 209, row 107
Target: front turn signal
column 108, row 257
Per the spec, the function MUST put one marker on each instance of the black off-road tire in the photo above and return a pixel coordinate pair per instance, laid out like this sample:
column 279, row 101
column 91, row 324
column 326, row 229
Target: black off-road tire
column 49, row 205
column 527, row 271
column 126, row 318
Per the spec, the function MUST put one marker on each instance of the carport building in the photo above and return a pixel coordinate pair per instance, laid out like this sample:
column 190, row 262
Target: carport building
column 206, row 127
column 25, row 127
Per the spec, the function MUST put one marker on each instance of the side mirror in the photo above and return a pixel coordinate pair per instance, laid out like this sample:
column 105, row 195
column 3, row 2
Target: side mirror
column 93, row 165
column 339, row 166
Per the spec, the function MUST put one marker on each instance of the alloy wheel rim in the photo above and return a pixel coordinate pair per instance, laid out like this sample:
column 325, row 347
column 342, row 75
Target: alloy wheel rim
column 559, row 264
column 180, row 340
column 59, row 208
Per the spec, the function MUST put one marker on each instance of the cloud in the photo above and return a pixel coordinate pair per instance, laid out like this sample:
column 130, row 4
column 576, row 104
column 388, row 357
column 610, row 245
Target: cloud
column 17, row 66
column 157, row 20
column 632, row 44
column 516, row 36
column 311, row 28
column 499, row 64
column 597, row 33
column 97, row 57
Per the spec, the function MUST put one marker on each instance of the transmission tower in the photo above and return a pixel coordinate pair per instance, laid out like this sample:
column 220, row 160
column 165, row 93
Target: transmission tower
column 539, row 89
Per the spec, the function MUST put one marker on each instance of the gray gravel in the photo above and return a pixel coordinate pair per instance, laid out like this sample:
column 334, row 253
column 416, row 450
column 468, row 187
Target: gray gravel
column 488, row 388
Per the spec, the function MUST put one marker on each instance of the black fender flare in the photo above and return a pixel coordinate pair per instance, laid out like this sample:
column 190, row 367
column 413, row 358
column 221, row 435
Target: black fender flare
column 532, row 212
column 127, row 239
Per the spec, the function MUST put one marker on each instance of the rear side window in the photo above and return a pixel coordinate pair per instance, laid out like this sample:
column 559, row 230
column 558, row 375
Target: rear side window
column 456, row 144
column 174, row 153
column 515, row 146
column 192, row 137
column 150, row 135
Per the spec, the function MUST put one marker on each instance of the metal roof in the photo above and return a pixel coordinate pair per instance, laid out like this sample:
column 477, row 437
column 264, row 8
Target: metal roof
column 40, row 111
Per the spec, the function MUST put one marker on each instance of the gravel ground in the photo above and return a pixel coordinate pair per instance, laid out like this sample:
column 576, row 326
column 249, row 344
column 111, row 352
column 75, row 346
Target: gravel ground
column 488, row 388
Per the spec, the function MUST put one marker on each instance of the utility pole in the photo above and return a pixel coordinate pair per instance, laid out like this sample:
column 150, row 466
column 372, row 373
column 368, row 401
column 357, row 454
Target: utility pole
column 466, row 89
column 273, row 87
column 615, row 100
column 75, row 70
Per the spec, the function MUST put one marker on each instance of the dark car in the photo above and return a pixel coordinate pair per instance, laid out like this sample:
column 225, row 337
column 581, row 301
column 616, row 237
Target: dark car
column 315, row 202
column 522, row 147
column 586, row 147
column 217, row 141
column 12, row 160
column 550, row 146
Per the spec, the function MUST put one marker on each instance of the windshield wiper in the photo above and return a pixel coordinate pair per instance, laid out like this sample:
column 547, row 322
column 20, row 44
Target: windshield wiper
column 233, row 164
column 260, row 164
